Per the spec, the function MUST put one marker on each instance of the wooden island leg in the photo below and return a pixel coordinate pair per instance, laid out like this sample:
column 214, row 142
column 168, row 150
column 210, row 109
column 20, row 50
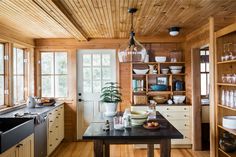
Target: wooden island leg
column 98, row 148
column 107, row 150
column 165, row 148
column 150, row 150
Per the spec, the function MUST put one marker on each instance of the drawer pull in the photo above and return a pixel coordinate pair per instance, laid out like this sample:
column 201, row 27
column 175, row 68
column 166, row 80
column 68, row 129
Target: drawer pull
column 50, row 121
column 167, row 109
column 167, row 115
column 50, row 145
column 50, row 113
column 185, row 124
column 185, row 137
column 185, row 108
column 57, row 139
column 50, row 131
column 57, row 117
column 185, row 115
column 56, row 126
column 59, row 114
column 56, row 110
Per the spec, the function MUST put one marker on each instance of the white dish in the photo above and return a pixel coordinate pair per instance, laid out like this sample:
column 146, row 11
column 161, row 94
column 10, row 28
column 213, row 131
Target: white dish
column 138, row 121
column 160, row 59
column 176, row 71
column 179, row 99
column 175, row 67
column 229, row 122
column 109, row 114
column 140, row 71
column 164, row 71
column 138, row 114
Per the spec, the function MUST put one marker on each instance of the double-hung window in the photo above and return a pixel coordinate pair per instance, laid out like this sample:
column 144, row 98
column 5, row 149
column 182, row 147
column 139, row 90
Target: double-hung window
column 54, row 74
column 205, row 81
column 18, row 75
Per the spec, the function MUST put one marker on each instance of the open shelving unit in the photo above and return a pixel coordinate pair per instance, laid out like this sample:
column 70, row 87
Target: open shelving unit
column 150, row 79
column 222, row 68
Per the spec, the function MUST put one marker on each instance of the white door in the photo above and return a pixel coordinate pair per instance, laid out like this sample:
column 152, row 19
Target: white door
column 95, row 68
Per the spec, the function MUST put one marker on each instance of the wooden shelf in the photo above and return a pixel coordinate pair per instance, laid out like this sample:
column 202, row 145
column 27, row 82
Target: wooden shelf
column 158, row 92
column 227, row 154
column 226, row 84
column 232, row 131
column 180, row 91
column 226, row 107
column 225, row 62
column 159, row 63
column 139, row 75
column 139, row 92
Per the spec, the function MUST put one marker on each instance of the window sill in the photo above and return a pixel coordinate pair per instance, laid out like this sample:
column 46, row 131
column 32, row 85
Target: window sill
column 11, row 108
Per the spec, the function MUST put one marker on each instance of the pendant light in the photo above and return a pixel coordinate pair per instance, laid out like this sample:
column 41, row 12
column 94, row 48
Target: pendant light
column 132, row 51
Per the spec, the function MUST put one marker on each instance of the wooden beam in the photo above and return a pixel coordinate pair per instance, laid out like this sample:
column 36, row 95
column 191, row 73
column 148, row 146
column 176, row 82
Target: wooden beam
column 212, row 60
column 226, row 30
column 56, row 10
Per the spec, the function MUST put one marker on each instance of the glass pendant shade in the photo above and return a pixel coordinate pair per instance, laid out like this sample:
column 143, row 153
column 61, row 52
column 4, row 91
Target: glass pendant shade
column 132, row 51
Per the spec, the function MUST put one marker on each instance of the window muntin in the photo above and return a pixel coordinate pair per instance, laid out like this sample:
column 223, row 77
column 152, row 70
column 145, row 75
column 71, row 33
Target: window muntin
column 18, row 75
column 54, row 71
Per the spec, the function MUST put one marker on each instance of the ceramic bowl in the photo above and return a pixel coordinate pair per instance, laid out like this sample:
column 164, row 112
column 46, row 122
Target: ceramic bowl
column 176, row 71
column 229, row 122
column 160, row 59
column 139, row 114
column 179, row 99
column 140, row 71
column 138, row 121
column 164, row 71
column 175, row 67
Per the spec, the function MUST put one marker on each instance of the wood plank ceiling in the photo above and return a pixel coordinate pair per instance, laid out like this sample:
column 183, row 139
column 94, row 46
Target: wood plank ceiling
column 84, row 19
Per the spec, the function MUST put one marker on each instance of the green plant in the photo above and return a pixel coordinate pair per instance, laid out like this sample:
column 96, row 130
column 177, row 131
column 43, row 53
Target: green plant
column 110, row 93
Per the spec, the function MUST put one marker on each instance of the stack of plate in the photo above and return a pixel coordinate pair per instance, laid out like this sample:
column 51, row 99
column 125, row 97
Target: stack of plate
column 138, row 118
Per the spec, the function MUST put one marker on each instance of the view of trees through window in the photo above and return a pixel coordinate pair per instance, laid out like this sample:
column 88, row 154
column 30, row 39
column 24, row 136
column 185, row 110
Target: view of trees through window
column 204, row 67
column 54, row 74
column 18, row 75
column 1, row 74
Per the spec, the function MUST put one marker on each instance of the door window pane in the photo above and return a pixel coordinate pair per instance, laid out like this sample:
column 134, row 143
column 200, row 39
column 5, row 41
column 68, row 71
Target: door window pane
column 203, row 84
column 47, row 63
column 97, row 73
column 106, row 73
column 18, row 88
column 96, row 86
column 47, row 86
column 87, row 73
column 203, row 68
column 87, row 60
column 60, row 86
column 61, row 63
column 106, row 59
column 96, row 60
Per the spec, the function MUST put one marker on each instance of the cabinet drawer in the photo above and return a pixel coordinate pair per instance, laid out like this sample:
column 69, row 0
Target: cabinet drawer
column 183, row 124
column 176, row 115
column 173, row 108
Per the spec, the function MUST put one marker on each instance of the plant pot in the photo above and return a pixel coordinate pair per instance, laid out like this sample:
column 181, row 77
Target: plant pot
column 110, row 108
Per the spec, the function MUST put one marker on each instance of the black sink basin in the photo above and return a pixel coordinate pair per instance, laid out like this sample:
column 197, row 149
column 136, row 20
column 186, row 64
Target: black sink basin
column 13, row 130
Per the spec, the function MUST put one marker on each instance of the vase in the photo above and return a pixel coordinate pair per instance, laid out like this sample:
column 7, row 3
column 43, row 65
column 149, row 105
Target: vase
column 110, row 109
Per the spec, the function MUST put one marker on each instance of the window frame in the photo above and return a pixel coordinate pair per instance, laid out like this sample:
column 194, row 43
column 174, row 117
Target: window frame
column 54, row 73
column 206, row 72
column 4, row 105
column 25, row 74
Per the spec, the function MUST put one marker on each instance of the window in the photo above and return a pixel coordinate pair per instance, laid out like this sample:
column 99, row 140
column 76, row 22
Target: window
column 204, row 67
column 18, row 75
column 54, row 74
column 1, row 74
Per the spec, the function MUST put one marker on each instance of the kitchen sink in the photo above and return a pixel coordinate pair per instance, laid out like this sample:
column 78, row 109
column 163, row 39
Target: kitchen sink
column 13, row 130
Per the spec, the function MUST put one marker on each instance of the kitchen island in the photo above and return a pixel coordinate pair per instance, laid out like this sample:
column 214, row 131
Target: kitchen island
column 135, row 135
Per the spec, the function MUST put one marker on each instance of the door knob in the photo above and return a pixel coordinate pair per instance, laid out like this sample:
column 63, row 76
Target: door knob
column 80, row 100
column 79, row 94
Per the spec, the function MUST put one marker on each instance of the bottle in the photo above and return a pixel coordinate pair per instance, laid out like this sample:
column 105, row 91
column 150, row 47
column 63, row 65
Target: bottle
column 231, row 99
column 223, row 97
column 127, row 118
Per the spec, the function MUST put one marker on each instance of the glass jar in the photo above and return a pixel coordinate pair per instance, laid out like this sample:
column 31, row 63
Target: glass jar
column 231, row 99
column 227, row 98
column 229, row 78
column 224, row 78
column 234, row 98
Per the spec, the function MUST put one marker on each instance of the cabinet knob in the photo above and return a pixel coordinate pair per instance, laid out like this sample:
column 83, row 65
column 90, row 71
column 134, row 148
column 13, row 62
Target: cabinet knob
column 167, row 115
column 50, row 131
column 50, row 145
column 185, row 115
column 185, row 108
column 56, row 126
column 50, row 121
column 185, row 124
column 167, row 108
column 57, row 139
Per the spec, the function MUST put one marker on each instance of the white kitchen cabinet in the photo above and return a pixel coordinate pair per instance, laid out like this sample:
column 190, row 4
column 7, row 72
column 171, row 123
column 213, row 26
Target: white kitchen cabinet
column 55, row 128
column 25, row 148
column 180, row 117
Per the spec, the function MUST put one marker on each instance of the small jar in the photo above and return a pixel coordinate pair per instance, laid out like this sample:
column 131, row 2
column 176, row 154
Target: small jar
column 229, row 78
column 224, row 78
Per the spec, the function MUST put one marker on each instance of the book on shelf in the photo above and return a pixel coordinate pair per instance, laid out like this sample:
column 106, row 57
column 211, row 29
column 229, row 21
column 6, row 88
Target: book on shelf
column 138, row 85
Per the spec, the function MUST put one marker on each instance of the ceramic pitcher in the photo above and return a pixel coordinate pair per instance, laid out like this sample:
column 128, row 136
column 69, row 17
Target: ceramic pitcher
column 151, row 68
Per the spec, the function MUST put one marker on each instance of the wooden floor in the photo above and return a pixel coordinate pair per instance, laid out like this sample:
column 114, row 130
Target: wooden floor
column 85, row 149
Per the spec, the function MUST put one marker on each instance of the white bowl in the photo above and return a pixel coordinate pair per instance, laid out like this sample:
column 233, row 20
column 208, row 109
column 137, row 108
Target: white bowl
column 175, row 67
column 179, row 99
column 139, row 114
column 137, row 121
column 164, row 71
column 160, row 59
column 140, row 71
column 176, row 71
column 229, row 122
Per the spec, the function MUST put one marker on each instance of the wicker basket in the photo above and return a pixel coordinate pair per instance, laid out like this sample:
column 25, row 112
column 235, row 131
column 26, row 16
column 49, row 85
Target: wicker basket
column 140, row 100
column 160, row 99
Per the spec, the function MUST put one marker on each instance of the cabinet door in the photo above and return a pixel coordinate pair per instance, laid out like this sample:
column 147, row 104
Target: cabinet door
column 12, row 152
column 26, row 147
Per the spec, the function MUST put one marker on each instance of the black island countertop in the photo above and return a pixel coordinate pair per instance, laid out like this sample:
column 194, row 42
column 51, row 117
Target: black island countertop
column 166, row 131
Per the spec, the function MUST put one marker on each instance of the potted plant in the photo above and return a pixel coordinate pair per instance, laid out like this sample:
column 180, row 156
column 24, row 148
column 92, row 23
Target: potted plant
column 110, row 97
